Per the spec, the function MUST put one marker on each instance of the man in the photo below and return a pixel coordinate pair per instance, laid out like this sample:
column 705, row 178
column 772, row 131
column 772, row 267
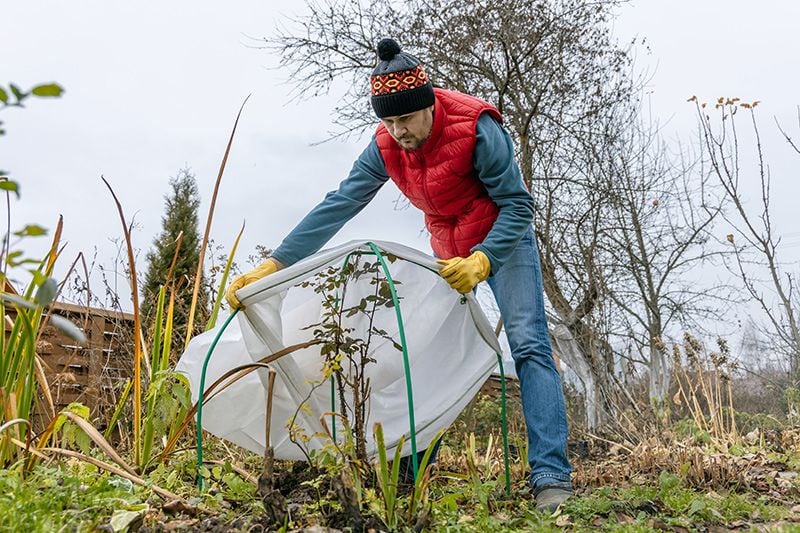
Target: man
column 449, row 154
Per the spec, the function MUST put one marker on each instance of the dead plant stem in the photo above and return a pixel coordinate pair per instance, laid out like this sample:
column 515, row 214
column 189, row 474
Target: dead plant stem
column 198, row 276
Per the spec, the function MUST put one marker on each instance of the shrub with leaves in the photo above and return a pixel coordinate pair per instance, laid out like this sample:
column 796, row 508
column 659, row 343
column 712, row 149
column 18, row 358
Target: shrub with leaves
column 346, row 331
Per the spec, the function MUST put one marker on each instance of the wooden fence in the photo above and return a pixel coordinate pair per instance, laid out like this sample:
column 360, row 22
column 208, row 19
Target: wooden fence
column 94, row 373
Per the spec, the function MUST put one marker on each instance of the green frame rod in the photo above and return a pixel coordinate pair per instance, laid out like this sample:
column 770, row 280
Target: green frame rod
column 200, row 394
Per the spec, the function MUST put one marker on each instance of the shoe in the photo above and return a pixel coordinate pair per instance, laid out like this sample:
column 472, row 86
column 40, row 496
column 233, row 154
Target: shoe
column 550, row 497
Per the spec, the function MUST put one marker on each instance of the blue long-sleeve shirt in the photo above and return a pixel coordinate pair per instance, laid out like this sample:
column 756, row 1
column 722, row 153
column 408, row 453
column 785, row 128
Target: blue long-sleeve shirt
column 496, row 168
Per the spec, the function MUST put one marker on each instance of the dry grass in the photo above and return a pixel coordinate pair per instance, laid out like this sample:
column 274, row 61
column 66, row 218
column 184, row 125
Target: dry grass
column 765, row 466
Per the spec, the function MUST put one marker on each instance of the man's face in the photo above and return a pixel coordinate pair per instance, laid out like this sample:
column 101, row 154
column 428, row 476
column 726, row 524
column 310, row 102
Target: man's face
column 411, row 130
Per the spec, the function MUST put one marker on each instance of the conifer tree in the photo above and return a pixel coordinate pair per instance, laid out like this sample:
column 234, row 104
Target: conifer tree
column 180, row 215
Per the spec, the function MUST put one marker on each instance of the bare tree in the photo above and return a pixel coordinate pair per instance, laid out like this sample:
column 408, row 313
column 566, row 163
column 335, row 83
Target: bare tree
column 660, row 210
column 754, row 241
column 549, row 66
column 556, row 74
column 333, row 48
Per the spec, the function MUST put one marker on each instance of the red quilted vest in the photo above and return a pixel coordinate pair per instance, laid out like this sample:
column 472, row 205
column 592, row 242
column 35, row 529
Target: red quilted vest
column 439, row 177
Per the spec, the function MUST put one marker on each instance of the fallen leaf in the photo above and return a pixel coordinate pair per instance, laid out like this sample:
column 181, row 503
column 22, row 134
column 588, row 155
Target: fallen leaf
column 563, row 521
column 179, row 506
column 657, row 523
column 677, row 398
column 122, row 519
column 180, row 525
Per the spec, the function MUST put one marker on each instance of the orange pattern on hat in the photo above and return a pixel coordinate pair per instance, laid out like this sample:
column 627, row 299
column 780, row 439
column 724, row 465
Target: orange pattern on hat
column 394, row 82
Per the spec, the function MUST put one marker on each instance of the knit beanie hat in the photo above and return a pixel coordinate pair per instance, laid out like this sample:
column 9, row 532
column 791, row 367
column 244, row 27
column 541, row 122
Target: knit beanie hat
column 399, row 85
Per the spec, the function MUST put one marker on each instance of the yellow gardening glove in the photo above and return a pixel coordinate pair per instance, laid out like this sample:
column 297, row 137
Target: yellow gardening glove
column 463, row 273
column 270, row 266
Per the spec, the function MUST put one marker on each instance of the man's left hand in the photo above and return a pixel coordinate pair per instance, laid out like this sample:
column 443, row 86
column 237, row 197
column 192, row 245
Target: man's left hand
column 463, row 273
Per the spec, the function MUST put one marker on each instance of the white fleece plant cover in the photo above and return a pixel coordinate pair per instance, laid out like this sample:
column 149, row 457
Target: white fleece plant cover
column 451, row 349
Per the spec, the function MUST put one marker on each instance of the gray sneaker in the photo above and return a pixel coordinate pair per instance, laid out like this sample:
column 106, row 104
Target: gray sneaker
column 550, row 497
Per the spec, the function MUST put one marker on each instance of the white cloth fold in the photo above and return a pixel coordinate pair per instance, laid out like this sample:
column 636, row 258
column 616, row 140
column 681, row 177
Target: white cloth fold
column 451, row 349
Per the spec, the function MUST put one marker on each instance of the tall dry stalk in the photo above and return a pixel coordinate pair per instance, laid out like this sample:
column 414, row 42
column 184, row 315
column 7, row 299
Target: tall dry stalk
column 226, row 380
column 274, row 503
column 204, row 244
column 137, row 332
column 704, row 386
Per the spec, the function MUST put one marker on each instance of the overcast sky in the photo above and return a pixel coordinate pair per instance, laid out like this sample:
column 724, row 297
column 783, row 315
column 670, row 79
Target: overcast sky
column 152, row 87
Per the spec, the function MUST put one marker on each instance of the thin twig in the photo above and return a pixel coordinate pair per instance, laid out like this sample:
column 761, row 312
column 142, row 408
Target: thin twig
column 593, row 436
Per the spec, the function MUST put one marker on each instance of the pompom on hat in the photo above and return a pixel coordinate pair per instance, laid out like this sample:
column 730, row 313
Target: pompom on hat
column 398, row 84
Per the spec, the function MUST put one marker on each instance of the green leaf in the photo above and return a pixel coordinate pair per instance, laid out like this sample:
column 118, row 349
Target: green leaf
column 668, row 481
column 16, row 300
column 118, row 409
column 737, row 450
column 48, row 90
column 182, row 393
column 16, row 258
column 60, row 420
column 8, row 185
column 27, row 262
column 121, row 519
column 120, row 483
column 697, row 505
column 31, row 230
column 47, row 292
column 38, row 277
column 3, row 96
column 79, row 409
column 66, row 326
column 17, row 93
column 83, row 441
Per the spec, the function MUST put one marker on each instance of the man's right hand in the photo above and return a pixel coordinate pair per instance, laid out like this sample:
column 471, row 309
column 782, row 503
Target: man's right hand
column 263, row 270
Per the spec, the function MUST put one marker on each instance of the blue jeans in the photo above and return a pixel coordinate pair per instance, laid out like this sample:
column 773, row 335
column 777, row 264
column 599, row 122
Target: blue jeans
column 517, row 288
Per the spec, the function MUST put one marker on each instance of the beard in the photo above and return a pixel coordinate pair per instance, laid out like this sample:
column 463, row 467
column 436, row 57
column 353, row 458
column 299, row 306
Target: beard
column 411, row 142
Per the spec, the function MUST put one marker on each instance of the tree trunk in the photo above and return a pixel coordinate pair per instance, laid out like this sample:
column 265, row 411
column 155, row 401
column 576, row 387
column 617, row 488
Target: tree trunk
column 585, row 351
column 565, row 345
column 659, row 377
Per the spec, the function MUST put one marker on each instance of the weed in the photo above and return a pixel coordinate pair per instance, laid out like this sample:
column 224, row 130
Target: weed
column 669, row 502
column 704, row 388
column 20, row 368
column 75, row 497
